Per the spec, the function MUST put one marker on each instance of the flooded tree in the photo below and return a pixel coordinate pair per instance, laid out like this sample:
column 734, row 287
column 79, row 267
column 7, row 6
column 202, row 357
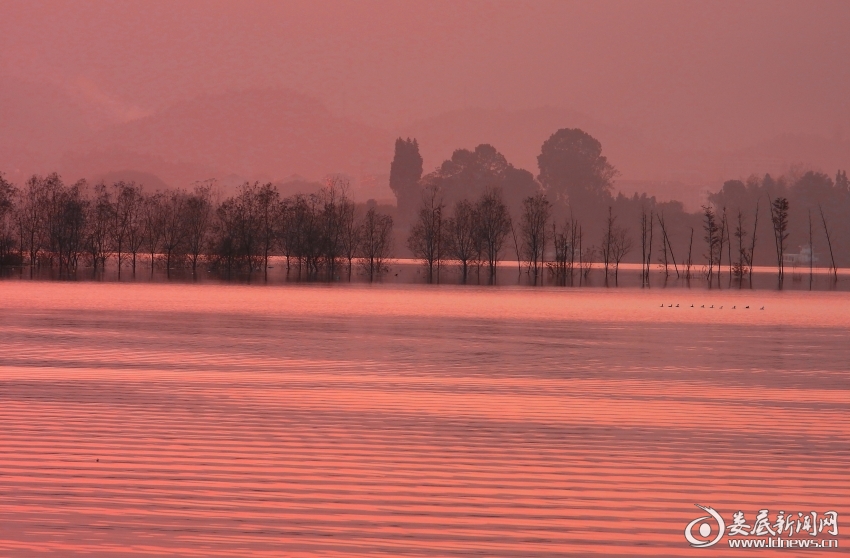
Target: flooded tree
column 533, row 227
column 8, row 193
column 198, row 219
column 174, row 232
column 462, row 236
column 712, row 240
column 646, row 230
column 152, row 218
column 350, row 239
column 426, row 239
column 566, row 241
column 98, row 230
column 741, row 265
column 494, row 223
column 621, row 245
column 70, row 226
column 376, row 242
column 607, row 248
column 667, row 247
column 779, row 218
column 753, row 241
column 127, row 200
column 829, row 239
column 267, row 206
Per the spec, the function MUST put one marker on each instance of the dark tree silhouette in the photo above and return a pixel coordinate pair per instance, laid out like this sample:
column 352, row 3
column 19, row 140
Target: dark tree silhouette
column 534, row 228
column 494, row 226
column 621, row 245
column 99, row 220
column 829, row 240
column 779, row 217
column 426, row 239
column 405, row 172
column 198, row 216
column 574, row 171
column 152, row 217
column 712, row 237
column 8, row 193
column 376, row 242
column 469, row 174
column 462, row 237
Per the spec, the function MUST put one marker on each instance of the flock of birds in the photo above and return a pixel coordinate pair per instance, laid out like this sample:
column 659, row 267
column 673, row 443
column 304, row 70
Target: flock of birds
column 712, row 306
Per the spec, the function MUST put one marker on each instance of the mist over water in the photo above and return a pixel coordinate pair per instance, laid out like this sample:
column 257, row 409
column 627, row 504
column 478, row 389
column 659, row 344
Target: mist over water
column 405, row 419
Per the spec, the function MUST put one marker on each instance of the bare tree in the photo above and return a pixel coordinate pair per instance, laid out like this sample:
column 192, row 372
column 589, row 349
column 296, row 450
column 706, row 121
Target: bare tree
column 721, row 240
column 332, row 221
column 99, row 219
column 607, row 248
column 587, row 260
column 152, row 218
column 829, row 242
column 811, row 251
column 133, row 205
column 495, row 225
column 711, row 237
column 621, row 245
column 533, row 225
column 71, row 226
column 779, row 218
column 8, row 194
column 646, row 226
column 376, row 242
column 461, row 236
column 350, row 231
column 741, row 266
column 667, row 246
column 753, row 241
column 198, row 213
column 566, row 243
column 174, row 231
column 427, row 235
column 268, row 210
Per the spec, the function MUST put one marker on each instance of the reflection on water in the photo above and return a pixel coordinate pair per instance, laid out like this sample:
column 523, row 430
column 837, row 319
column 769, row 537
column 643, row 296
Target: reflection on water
column 405, row 272
column 226, row 420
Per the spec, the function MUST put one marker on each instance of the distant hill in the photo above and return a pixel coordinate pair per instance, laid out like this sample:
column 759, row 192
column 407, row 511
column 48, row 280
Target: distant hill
column 271, row 134
column 259, row 134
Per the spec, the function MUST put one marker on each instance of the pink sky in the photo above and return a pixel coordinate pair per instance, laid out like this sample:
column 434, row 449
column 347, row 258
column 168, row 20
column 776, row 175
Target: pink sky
column 708, row 75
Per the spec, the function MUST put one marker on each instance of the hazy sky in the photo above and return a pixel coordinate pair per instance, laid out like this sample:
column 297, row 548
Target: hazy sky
column 685, row 73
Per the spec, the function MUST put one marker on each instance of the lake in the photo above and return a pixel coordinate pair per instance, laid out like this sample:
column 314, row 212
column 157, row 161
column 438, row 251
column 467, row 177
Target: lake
column 159, row 419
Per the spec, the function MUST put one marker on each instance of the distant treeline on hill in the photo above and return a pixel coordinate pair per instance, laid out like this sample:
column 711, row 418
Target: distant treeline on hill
column 567, row 217
column 474, row 210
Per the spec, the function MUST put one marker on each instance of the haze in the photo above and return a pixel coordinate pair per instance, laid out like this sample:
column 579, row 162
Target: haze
column 682, row 94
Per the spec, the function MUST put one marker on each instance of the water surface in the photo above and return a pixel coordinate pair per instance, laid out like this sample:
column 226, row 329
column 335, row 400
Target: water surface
column 224, row 420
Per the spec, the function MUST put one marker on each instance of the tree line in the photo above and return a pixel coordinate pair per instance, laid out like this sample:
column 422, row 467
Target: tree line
column 567, row 221
column 47, row 223
column 473, row 211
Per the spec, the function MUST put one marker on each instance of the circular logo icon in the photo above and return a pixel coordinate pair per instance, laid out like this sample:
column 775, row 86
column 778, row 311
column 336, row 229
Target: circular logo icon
column 705, row 529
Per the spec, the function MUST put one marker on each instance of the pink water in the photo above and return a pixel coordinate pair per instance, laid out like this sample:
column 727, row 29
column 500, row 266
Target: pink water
column 214, row 420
